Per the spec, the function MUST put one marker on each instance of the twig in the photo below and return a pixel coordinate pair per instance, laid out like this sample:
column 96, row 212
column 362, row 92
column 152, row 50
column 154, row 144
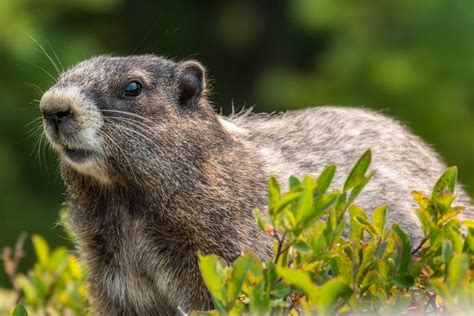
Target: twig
column 280, row 246
column 295, row 304
column 11, row 259
column 422, row 242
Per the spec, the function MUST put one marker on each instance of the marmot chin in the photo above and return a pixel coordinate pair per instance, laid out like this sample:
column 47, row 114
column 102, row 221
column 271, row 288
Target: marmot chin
column 153, row 175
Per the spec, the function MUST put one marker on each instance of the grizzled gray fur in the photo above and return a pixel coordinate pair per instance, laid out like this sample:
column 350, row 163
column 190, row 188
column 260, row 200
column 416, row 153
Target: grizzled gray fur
column 154, row 176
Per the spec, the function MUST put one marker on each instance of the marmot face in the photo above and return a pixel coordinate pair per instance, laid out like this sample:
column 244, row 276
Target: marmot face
column 120, row 118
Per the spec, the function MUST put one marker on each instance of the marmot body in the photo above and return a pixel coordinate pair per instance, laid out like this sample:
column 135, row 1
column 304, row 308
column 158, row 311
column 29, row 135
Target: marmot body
column 153, row 175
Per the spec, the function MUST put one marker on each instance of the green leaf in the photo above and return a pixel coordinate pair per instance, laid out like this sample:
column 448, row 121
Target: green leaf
column 357, row 173
column 255, row 272
column 380, row 250
column 379, row 217
column 469, row 242
column 212, row 271
column 325, row 178
column 238, row 276
column 259, row 301
column 284, row 201
column 425, row 218
column 405, row 250
column 356, row 231
column 300, row 280
column 446, row 251
column 341, row 266
column 358, row 188
column 19, row 311
column 273, row 192
column 404, row 280
column 318, row 241
column 29, row 289
column 385, row 268
column 452, row 233
column 435, row 238
column 42, row 249
column 469, row 223
column 281, row 290
column 294, row 182
column 440, row 288
column 40, row 283
column 289, row 220
column 323, row 203
column 372, row 277
column 444, row 200
column 364, row 222
column 260, row 219
column 421, row 199
column 58, row 259
column 301, row 246
column 457, row 269
column 447, row 180
column 304, row 206
column 330, row 292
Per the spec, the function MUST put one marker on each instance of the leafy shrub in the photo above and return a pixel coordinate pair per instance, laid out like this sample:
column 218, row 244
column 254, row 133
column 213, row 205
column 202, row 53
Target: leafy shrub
column 54, row 286
column 375, row 269
column 329, row 258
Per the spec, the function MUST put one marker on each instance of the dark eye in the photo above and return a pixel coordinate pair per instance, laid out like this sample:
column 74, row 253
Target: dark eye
column 132, row 89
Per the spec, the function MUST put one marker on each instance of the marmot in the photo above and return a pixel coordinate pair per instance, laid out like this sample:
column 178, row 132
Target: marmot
column 153, row 175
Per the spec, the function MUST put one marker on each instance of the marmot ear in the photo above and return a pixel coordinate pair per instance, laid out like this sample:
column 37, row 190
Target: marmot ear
column 191, row 82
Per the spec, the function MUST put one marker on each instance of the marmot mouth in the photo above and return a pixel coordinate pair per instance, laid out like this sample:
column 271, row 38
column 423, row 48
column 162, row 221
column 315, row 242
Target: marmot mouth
column 77, row 154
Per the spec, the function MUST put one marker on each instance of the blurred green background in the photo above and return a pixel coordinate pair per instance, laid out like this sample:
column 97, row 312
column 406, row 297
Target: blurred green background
column 413, row 59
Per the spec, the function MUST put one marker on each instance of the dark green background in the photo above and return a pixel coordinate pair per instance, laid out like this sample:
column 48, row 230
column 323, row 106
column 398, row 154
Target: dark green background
column 413, row 59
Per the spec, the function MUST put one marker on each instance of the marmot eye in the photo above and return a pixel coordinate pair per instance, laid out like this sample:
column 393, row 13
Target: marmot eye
column 132, row 89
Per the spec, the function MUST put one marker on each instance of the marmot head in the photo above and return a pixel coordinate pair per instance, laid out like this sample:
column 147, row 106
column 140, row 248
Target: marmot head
column 122, row 119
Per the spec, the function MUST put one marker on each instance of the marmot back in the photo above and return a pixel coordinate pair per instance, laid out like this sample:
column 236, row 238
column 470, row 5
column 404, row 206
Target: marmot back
column 306, row 141
column 153, row 175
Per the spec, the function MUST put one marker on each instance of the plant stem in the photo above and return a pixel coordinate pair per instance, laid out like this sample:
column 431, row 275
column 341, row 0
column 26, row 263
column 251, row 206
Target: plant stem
column 422, row 242
column 280, row 246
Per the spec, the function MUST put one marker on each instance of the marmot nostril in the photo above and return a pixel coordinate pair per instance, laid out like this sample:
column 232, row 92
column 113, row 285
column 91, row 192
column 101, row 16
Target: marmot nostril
column 58, row 115
column 60, row 120
column 63, row 115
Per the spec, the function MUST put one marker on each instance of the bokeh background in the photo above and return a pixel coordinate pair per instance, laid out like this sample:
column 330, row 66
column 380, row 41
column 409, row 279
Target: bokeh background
column 412, row 59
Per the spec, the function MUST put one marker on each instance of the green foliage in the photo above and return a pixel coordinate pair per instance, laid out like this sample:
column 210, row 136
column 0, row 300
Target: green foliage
column 54, row 286
column 374, row 269
column 329, row 258
column 20, row 311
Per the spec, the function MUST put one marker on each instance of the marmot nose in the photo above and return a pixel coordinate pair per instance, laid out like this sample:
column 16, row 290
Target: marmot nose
column 58, row 115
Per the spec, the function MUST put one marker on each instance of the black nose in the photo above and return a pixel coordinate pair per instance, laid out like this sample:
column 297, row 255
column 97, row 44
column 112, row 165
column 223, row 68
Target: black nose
column 58, row 116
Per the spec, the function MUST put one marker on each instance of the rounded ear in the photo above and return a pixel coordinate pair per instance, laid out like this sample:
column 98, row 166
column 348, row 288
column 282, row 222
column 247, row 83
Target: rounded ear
column 191, row 82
